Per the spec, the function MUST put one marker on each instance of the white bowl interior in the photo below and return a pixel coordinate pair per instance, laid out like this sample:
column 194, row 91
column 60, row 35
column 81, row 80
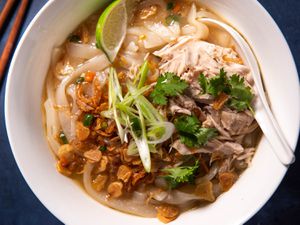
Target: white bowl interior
column 68, row 201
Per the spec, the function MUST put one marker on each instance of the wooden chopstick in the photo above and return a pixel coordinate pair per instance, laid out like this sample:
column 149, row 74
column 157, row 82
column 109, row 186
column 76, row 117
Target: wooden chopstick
column 7, row 7
column 12, row 37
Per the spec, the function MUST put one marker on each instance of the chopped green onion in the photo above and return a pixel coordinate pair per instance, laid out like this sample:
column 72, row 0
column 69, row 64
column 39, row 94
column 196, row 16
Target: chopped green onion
column 135, row 112
column 129, row 98
column 143, row 74
column 142, row 143
column 127, row 110
column 104, row 125
column 75, row 38
column 63, row 138
column 136, row 126
column 171, row 19
column 132, row 148
column 115, row 96
column 102, row 148
column 107, row 114
column 170, row 5
column 88, row 120
column 79, row 80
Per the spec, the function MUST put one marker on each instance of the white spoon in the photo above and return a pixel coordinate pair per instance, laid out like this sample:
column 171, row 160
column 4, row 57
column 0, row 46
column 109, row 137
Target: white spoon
column 263, row 114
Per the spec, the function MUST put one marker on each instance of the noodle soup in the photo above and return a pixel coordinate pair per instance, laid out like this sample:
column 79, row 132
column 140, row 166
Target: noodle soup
column 165, row 126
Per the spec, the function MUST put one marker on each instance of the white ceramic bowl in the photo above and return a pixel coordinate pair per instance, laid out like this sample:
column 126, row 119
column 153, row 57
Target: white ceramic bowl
column 66, row 200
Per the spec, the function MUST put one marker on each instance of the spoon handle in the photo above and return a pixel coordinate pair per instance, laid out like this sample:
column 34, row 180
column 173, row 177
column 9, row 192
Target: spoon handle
column 263, row 113
column 270, row 129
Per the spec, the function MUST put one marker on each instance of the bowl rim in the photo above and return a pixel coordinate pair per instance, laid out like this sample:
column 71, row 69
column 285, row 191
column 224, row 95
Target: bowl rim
column 11, row 138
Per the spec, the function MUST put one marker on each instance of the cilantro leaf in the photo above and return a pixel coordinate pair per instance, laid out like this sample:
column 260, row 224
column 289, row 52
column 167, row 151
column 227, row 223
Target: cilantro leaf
column 205, row 134
column 168, row 85
column 179, row 175
column 215, row 85
column 190, row 132
column 203, row 82
column 241, row 95
column 189, row 124
column 218, row 84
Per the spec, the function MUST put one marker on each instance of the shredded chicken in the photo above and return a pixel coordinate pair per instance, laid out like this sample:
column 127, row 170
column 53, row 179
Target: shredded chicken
column 188, row 57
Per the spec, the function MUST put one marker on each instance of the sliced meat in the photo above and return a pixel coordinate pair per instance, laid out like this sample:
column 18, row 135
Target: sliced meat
column 182, row 104
column 247, row 154
column 235, row 122
column 214, row 118
column 175, row 108
column 185, row 105
column 226, row 165
column 184, row 150
column 227, row 148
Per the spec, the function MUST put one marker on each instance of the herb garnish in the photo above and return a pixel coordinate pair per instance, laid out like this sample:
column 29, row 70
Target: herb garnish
column 168, row 85
column 191, row 133
column 240, row 95
column 63, row 138
column 179, row 175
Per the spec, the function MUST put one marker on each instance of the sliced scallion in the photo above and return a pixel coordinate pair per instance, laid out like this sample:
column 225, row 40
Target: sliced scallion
column 63, row 138
column 88, row 120
column 170, row 5
column 171, row 19
column 79, row 80
column 102, row 148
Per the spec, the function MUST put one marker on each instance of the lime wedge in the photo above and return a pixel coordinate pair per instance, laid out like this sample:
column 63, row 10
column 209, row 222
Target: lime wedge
column 111, row 28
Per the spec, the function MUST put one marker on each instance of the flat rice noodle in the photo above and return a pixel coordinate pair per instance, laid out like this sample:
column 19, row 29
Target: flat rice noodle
column 188, row 29
column 202, row 30
column 168, row 34
column 135, row 205
column 56, row 55
column 174, row 197
column 97, row 63
column 132, row 47
column 151, row 40
column 102, row 78
column 131, row 59
column 52, row 125
column 71, row 91
column 82, row 51
column 219, row 37
column 206, row 14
